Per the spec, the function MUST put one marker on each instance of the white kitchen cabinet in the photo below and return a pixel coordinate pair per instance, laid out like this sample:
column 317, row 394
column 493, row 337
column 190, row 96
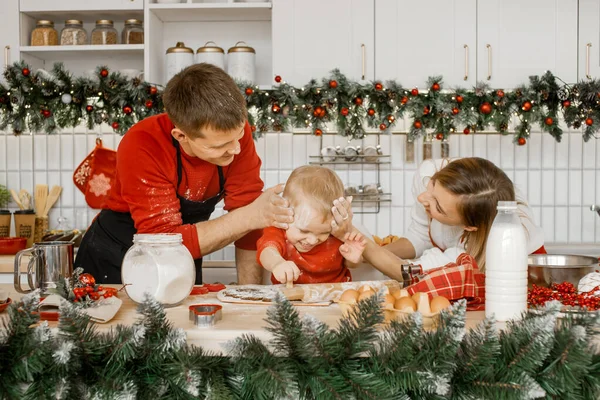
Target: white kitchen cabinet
column 418, row 39
column 312, row 37
column 9, row 33
column 518, row 38
column 589, row 39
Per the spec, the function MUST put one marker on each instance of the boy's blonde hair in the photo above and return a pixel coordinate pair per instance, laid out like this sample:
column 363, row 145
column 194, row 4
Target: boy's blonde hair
column 318, row 185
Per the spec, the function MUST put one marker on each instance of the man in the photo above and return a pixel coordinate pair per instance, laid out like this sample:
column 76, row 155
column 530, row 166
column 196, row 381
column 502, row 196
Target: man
column 172, row 170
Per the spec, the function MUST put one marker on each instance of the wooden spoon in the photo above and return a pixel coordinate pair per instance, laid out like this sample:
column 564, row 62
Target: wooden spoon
column 41, row 195
column 16, row 199
column 52, row 199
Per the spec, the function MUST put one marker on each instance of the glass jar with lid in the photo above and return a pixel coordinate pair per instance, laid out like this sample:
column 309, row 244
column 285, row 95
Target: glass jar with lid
column 73, row 33
column 241, row 62
column 160, row 265
column 133, row 32
column 44, row 34
column 212, row 54
column 104, row 32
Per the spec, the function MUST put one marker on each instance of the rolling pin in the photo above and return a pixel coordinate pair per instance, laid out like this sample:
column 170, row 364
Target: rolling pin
column 298, row 292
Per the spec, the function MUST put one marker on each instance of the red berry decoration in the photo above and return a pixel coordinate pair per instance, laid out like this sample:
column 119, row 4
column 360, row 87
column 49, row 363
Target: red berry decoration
column 104, row 73
column 566, row 103
column 455, row 111
column 439, row 136
column 414, row 92
column 548, row 121
column 358, row 101
column 253, row 128
column 459, row 99
column 526, row 106
column 46, row 113
column 153, row 90
column 589, row 122
column 426, row 110
column 127, row 110
column 404, row 100
column 149, row 104
column 371, row 112
column 417, row 124
column 378, row 86
column 382, row 127
column 2, row 99
column 277, row 78
column 435, row 87
column 25, row 71
column 275, row 108
column 87, row 279
column 466, row 131
column 500, row 93
column 318, row 132
column 521, row 141
column 345, row 111
column 115, row 125
column 89, row 108
column 485, row 108
column 249, row 91
column 333, row 84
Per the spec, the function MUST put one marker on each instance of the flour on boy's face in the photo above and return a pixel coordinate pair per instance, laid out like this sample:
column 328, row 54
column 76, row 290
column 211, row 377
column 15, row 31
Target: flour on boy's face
column 309, row 228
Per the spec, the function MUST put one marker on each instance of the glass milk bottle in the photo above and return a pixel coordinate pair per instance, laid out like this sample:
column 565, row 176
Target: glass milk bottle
column 506, row 265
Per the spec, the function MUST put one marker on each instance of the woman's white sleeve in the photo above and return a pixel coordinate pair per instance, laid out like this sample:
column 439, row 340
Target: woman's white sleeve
column 535, row 233
column 434, row 257
column 418, row 230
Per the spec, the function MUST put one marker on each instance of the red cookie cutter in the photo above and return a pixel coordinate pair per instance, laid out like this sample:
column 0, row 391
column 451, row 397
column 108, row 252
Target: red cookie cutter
column 205, row 315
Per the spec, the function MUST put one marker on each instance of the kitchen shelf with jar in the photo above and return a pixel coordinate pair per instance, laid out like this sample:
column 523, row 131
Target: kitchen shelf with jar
column 69, row 6
column 200, row 12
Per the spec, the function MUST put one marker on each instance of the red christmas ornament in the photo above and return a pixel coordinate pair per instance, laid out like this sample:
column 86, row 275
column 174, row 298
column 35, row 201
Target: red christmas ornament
column 435, row 87
column 404, row 100
column 127, row 110
column 249, row 91
column 391, row 118
column 318, row 132
column 277, row 78
column 253, row 128
column 439, row 136
column 115, row 125
column 566, row 103
column 414, row 92
column 87, row 279
column 526, row 106
column 378, row 86
column 459, row 99
column 455, row 111
column 149, row 104
column 104, row 73
column 371, row 112
column 417, row 124
column 317, row 111
column 2, row 99
column 26, row 71
column 153, row 90
column 466, row 131
column 275, row 108
column 589, row 121
column 500, row 93
column 521, row 141
column 382, row 127
column 333, row 84
column 345, row 111
column 426, row 110
column 549, row 121
column 89, row 108
column 46, row 113
column 485, row 108
column 358, row 101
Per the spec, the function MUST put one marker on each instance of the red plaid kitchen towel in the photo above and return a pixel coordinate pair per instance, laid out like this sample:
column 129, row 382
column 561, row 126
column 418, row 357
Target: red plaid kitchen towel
column 454, row 281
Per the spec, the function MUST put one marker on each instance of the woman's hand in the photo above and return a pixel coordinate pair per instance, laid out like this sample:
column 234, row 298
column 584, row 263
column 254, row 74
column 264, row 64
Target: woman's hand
column 341, row 225
column 353, row 247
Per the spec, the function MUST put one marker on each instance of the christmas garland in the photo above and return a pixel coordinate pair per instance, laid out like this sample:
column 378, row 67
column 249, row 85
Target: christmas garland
column 535, row 357
column 44, row 101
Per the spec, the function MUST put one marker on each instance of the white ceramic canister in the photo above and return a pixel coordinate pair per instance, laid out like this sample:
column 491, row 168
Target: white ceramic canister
column 178, row 58
column 241, row 60
column 212, row 54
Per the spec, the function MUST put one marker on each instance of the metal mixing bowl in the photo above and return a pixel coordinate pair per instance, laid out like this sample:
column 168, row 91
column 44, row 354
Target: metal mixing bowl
column 546, row 269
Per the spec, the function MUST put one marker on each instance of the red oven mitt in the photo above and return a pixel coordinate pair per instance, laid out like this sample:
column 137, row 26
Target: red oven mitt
column 96, row 175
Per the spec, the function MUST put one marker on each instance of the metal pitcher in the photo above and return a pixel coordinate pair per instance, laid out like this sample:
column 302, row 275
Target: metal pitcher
column 50, row 261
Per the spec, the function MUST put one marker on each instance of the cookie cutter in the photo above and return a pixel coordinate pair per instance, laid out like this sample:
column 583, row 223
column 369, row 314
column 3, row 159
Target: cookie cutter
column 205, row 315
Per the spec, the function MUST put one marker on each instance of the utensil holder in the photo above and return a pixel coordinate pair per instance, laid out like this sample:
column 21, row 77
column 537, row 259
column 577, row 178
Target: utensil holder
column 41, row 227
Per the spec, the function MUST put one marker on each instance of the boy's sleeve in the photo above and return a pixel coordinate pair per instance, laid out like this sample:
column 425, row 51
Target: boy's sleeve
column 272, row 237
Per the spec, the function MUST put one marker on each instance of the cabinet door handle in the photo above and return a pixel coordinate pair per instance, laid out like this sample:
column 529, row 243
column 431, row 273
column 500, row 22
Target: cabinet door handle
column 466, row 62
column 362, row 47
column 587, row 60
column 6, row 56
column 489, row 51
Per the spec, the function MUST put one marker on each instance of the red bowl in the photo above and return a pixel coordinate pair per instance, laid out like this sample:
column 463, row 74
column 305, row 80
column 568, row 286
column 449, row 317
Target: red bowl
column 12, row 245
column 5, row 305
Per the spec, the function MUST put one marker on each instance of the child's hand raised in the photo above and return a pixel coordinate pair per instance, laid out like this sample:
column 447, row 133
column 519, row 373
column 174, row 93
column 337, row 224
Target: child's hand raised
column 286, row 271
column 353, row 247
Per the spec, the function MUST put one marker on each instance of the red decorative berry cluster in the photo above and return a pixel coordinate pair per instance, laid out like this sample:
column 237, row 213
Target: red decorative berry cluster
column 566, row 293
column 86, row 289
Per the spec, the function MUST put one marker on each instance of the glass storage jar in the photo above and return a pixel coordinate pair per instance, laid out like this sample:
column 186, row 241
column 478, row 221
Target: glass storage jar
column 73, row 33
column 104, row 32
column 160, row 265
column 133, row 32
column 44, row 34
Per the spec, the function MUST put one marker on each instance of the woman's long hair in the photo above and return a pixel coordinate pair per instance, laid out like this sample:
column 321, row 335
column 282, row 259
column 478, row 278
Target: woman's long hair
column 480, row 185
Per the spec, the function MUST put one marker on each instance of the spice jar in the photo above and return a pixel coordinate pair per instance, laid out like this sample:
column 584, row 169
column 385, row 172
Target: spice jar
column 241, row 62
column 160, row 265
column 211, row 54
column 73, row 33
column 371, row 153
column 372, row 191
column 351, row 153
column 133, row 32
column 44, row 34
column 178, row 58
column 104, row 32
column 329, row 154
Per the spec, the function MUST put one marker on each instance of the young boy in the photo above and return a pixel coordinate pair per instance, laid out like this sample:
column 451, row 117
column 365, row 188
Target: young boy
column 306, row 252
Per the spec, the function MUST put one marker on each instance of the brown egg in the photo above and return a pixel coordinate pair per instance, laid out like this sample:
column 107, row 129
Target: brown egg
column 365, row 295
column 394, row 291
column 439, row 303
column 401, row 293
column 422, row 301
column 405, row 304
column 349, row 296
column 388, row 301
column 365, row 288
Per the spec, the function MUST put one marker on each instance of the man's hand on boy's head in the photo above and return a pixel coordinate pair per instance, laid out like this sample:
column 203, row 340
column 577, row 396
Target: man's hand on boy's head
column 286, row 271
column 270, row 209
column 353, row 247
column 342, row 217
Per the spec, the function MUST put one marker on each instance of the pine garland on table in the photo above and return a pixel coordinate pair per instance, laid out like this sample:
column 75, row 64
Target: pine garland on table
column 535, row 357
column 43, row 101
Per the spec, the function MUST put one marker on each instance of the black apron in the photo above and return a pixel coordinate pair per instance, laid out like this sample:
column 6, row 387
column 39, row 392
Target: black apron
column 109, row 237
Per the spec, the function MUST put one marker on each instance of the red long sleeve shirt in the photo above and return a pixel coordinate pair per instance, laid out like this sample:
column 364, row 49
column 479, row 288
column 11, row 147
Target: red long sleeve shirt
column 146, row 181
column 323, row 264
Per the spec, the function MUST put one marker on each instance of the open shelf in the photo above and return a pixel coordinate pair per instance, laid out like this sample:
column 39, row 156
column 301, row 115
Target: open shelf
column 60, row 8
column 194, row 12
column 77, row 52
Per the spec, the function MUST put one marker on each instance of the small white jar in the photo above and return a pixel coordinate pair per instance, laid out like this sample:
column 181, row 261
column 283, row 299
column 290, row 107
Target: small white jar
column 241, row 61
column 211, row 54
column 178, row 58
column 160, row 265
